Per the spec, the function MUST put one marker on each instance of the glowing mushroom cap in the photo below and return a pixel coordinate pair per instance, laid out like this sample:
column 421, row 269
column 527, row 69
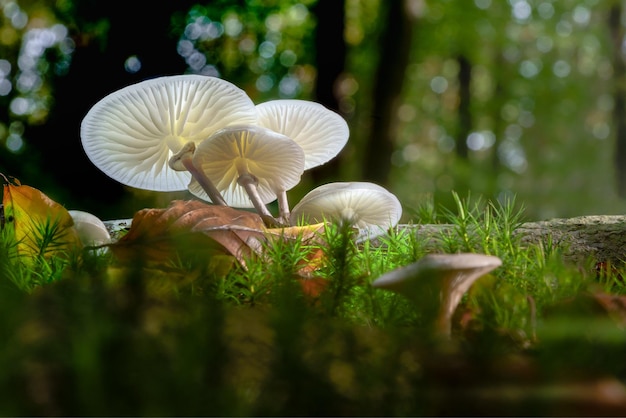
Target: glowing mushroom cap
column 439, row 281
column 369, row 207
column 273, row 159
column 131, row 134
column 320, row 132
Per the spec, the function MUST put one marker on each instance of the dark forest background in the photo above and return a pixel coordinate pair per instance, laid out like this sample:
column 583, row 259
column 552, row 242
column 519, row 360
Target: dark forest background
column 495, row 98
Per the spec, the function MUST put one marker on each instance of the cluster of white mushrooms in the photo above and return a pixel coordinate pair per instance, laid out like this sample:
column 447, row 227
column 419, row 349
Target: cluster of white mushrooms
column 206, row 135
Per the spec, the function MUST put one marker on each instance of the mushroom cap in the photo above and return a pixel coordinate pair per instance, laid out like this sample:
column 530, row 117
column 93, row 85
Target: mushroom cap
column 368, row 206
column 91, row 230
column 320, row 132
column 437, row 282
column 275, row 160
column 457, row 271
column 131, row 134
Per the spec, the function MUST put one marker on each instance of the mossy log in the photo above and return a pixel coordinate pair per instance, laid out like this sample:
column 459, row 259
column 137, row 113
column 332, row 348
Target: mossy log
column 580, row 239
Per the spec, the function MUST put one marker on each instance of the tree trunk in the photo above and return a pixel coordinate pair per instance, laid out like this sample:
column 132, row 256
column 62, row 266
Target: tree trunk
column 395, row 48
column 464, row 113
column 619, row 108
column 498, row 99
column 331, row 50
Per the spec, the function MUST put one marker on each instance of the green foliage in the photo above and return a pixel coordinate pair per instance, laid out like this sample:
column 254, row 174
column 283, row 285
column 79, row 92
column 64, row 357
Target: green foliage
column 541, row 106
column 89, row 337
column 39, row 269
column 264, row 47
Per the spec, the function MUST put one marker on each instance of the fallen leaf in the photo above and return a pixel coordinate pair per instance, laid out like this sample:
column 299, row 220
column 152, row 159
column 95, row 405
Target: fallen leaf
column 614, row 305
column 39, row 225
column 311, row 236
column 313, row 287
column 189, row 229
column 194, row 230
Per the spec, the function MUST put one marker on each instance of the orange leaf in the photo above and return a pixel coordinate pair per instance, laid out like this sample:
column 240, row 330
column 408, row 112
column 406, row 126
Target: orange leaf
column 39, row 225
column 313, row 287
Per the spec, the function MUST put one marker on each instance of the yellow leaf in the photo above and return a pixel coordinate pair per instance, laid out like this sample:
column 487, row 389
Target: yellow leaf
column 39, row 225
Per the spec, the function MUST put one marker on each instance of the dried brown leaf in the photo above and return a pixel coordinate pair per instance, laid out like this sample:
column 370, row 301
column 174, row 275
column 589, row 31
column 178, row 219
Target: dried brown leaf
column 189, row 229
column 197, row 230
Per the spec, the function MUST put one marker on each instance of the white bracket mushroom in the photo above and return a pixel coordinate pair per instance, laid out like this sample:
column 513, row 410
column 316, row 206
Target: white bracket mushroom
column 437, row 282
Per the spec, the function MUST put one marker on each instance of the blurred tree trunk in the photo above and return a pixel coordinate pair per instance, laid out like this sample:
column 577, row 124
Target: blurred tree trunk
column 619, row 93
column 395, row 48
column 498, row 99
column 464, row 112
column 97, row 69
column 496, row 103
column 330, row 51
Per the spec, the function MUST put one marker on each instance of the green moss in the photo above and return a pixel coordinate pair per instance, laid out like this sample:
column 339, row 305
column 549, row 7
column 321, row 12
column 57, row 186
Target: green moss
column 208, row 337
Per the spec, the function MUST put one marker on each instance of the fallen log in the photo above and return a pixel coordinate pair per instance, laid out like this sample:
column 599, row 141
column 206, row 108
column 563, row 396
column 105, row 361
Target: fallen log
column 601, row 238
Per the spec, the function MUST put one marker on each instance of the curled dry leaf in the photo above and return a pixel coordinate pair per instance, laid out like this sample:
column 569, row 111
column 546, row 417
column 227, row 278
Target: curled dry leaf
column 193, row 228
column 189, row 228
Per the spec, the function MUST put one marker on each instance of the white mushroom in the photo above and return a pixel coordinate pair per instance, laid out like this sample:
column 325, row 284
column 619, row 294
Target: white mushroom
column 91, row 230
column 320, row 132
column 132, row 133
column 250, row 166
column 367, row 206
column 183, row 160
column 437, row 282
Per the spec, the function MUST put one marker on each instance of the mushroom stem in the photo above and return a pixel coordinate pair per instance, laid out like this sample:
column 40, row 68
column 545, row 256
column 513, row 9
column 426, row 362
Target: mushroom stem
column 450, row 297
column 283, row 208
column 203, row 180
column 443, row 323
column 249, row 183
column 184, row 157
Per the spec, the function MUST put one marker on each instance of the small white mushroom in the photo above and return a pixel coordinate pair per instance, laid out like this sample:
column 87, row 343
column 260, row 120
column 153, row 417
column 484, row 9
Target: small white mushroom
column 91, row 230
column 132, row 134
column 367, row 206
column 250, row 166
column 437, row 282
column 320, row 132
